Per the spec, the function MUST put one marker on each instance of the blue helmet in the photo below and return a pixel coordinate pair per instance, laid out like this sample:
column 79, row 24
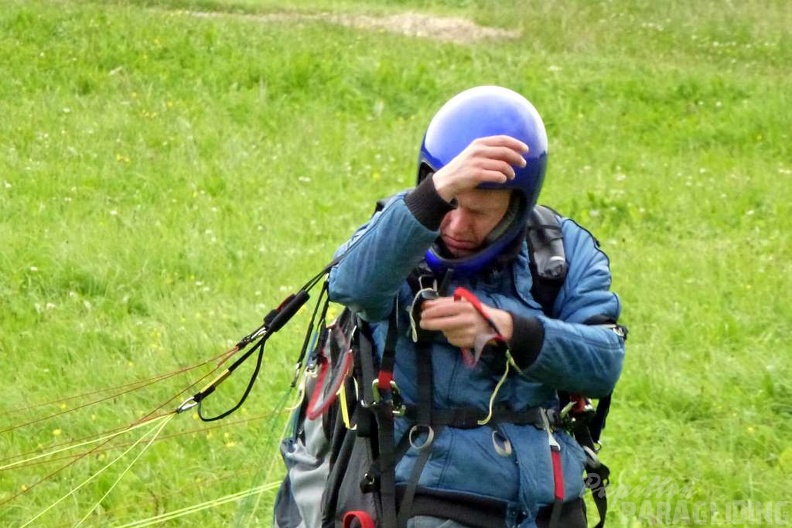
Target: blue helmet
column 475, row 113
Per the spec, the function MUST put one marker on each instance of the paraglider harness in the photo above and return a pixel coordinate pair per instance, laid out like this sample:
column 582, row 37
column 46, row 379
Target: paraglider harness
column 343, row 444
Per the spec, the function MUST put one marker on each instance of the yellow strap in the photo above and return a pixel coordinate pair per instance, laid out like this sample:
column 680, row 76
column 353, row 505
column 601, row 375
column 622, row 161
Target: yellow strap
column 345, row 408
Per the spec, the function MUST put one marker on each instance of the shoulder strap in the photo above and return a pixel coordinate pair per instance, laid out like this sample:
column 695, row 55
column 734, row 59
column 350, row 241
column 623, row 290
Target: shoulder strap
column 547, row 259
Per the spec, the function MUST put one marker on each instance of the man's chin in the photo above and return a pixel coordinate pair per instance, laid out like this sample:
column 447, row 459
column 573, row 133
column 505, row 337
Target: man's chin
column 457, row 252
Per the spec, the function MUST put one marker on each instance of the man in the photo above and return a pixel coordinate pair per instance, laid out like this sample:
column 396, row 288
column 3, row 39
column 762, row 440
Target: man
column 453, row 254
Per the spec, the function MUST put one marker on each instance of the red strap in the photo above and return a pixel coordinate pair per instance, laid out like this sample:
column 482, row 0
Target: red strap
column 558, row 474
column 462, row 293
column 363, row 519
column 384, row 379
column 324, row 367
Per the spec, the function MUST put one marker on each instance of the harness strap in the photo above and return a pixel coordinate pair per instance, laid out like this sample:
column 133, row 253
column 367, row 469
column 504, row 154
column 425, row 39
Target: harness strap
column 364, row 365
column 408, row 498
column 598, row 490
column 597, row 423
column 469, row 417
column 558, row 492
column 546, row 256
column 387, row 485
column 558, row 475
column 385, row 376
column 597, row 473
column 425, row 385
column 384, row 413
column 424, row 419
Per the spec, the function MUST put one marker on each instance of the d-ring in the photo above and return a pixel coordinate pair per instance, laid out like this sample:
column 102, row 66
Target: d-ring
column 429, row 436
column 501, row 444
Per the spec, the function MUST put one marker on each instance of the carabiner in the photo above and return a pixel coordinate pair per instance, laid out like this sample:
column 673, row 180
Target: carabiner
column 186, row 405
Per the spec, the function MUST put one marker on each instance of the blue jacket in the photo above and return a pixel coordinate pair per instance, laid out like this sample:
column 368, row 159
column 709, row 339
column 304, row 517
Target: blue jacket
column 575, row 357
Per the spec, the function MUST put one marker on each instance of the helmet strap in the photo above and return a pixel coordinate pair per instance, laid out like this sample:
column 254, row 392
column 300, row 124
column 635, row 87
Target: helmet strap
column 513, row 214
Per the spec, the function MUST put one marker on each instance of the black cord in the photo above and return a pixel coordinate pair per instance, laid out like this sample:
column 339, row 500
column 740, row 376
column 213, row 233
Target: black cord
column 273, row 322
column 287, row 310
column 248, row 389
column 323, row 301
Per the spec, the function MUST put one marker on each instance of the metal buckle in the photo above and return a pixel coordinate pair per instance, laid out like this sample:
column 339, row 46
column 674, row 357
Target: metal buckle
column 591, row 457
column 395, row 400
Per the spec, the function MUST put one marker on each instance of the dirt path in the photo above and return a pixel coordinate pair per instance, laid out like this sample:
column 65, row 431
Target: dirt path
column 445, row 29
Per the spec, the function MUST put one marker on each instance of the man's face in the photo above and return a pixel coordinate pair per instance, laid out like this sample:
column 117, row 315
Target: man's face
column 478, row 211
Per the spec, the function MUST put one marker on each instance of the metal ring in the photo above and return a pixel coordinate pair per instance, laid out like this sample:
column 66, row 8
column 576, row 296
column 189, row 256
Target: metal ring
column 501, row 444
column 429, row 436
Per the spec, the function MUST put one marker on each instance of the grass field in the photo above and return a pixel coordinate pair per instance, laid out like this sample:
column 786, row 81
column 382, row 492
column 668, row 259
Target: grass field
column 171, row 170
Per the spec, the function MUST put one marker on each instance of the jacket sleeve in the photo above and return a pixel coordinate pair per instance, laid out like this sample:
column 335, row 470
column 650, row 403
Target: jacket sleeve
column 378, row 258
column 582, row 350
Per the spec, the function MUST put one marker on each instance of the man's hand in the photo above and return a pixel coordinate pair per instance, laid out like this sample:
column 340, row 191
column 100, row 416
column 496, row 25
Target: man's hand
column 461, row 322
column 486, row 160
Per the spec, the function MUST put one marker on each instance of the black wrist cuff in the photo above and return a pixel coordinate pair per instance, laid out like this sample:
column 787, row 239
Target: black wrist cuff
column 526, row 341
column 426, row 205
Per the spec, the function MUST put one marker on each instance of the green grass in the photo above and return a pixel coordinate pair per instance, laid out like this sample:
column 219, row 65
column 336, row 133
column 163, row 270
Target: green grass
column 168, row 178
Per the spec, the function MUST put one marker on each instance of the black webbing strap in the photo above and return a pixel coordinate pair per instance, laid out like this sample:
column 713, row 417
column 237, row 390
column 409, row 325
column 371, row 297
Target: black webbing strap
column 555, row 516
column 597, row 473
column 366, row 374
column 408, row 498
column 386, row 442
column 425, row 384
column 389, row 353
column 387, row 463
column 470, row 417
column 597, row 423
column 598, row 492
column 597, row 476
column 423, row 420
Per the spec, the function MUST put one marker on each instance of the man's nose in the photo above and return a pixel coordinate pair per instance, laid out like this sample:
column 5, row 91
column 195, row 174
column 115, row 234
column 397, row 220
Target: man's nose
column 456, row 222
